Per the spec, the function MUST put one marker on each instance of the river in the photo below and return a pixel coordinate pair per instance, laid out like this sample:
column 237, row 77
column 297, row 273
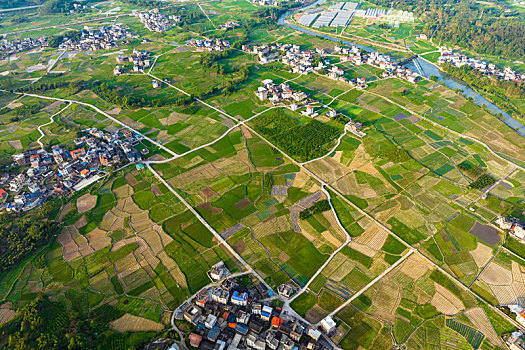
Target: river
column 426, row 68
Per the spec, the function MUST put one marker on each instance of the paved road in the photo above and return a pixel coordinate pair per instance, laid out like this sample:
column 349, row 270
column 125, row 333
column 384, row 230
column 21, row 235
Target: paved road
column 104, row 114
column 61, row 25
column 20, row 8
column 365, row 288
column 488, row 189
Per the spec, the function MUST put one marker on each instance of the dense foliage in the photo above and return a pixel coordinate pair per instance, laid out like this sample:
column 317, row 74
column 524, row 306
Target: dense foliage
column 483, row 181
column 110, row 94
column 495, row 30
column 396, row 155
column 319, row 207
column 20, row 236
column 302, row 141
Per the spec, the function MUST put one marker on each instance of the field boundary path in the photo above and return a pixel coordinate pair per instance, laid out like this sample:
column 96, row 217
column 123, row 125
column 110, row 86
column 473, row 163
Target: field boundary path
column 51, row 121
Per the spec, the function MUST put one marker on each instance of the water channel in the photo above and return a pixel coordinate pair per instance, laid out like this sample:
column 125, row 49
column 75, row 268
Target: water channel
column 425, row 68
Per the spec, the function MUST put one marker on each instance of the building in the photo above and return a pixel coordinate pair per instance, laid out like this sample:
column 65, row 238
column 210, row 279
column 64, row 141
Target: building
column 240, row 299
column 195, row 340
column 328, row 324
column 220, row 296
column 266, row 313
column 211, row 320
column 219, row 271
column 520, row 313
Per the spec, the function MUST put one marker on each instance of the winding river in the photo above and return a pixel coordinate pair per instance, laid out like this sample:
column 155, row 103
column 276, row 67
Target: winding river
column 426, row 68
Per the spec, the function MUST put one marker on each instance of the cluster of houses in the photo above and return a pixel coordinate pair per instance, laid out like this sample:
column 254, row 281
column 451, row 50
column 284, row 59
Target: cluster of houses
column 230, row 25
column 140, row 60
column 19, row 45
column 78, row 8
column 230, row 317
column 277, row 93
column 515, row 226
column 296, row 100
column 156, row 21
column 61, row 171
column 378, row 60
column 210, row 45
column 515, row 340
column 457, row 59
column 302, row 62
column 102, row 39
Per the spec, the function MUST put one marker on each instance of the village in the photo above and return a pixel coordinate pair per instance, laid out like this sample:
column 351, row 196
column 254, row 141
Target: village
column 209, row 45
column 139, row 59
column 234, row 314
column 303, row 62
column 60, row 171
column 102, row 39
column 19, row 45
column 457, row 59
column 154, row 21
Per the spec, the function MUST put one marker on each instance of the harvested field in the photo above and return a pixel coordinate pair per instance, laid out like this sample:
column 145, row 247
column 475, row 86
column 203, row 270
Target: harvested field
column 6, row 315
column 486, row 233
column 130, row 179
column 127, row 205
column 108, row 221
column 301, row 179
column 339, row 232
column 342, row 270
column 153, row 240
column 374, row 237
column 131, row 323
column 279, row 191
column 243, row 203
column 478, row 317
column 310, row 200
column 363, row 249
column 155, row 189
column 274, row 225
column 69, row 247
column 98, row 239
column 496, row 275
column 65, row 209
column 246, row 132
column 86, row 203
column 330, row 238
column 230, row 231
column 504, row 294
column 518, row 278
column 481, row 254
column 140, row 221
column 210, row 208
column 81, row 222
column 386, row 299
column 446, row 302
column 415, row 266
column 207, row 193
column 123, row 191
column 16, row 144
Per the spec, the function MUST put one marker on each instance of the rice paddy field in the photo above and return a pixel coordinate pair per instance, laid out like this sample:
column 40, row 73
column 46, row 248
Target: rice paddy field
column 128, row 249
column 423, row 309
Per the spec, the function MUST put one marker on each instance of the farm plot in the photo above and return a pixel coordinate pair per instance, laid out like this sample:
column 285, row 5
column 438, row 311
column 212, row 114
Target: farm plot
column 411, row 294
column 503, row 280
